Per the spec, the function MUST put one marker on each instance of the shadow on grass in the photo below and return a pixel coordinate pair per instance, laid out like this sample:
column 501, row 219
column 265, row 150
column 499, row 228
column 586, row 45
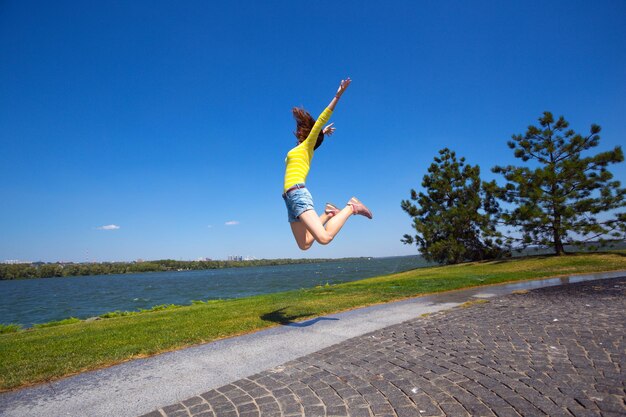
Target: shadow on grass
column 279, row 316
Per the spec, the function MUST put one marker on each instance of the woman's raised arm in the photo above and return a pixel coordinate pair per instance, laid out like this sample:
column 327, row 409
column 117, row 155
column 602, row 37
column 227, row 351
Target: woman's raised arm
column 342, row 87
column 323, row 118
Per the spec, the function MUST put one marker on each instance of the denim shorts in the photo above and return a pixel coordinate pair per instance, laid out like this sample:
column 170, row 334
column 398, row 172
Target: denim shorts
column 297, row 201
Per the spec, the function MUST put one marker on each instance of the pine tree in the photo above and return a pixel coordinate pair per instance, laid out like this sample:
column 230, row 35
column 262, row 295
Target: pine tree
column 453, row 217
column 563, row 198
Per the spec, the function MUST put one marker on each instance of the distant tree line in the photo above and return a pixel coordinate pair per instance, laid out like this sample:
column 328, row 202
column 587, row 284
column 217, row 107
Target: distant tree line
column 49, row 270
column 556, row 197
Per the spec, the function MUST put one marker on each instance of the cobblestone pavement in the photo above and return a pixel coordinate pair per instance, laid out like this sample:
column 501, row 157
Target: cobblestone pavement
column 555, row 351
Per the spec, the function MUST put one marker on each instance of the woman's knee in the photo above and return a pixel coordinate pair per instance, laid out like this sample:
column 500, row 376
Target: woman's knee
column 305, row 245
column 324, row 239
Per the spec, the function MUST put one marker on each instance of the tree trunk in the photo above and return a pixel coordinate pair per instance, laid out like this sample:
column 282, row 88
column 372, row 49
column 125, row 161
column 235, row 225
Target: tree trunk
column 556, row 227
column 558, row 243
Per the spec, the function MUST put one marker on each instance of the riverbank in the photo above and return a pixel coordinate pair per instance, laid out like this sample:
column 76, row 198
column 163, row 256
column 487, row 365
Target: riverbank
column 33, row 302
column 38, row 355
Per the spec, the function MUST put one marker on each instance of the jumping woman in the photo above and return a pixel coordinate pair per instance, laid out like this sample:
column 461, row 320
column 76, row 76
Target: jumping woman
column 306, row 225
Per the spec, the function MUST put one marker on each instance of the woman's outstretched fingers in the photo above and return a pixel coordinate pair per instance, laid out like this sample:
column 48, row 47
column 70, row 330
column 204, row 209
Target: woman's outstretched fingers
column 329, row 130
column 342, row 86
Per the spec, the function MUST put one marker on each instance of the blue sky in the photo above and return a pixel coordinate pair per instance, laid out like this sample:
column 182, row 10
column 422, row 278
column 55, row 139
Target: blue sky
column 170, row 119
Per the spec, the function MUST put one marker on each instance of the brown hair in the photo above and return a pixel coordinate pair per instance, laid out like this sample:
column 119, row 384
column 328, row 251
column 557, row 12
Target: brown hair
column 304, row 124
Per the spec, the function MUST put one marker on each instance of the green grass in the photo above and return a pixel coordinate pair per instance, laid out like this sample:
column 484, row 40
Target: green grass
column 63, row 322
column 42, row 354
column 10, row 328
column 160, row 307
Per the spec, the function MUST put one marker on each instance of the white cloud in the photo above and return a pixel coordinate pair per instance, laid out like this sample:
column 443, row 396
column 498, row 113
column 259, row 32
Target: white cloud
column 108, row 227
column 232, row 223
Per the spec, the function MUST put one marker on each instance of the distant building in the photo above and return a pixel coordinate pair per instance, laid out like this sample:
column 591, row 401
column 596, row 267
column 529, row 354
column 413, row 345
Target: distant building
column 235, row 258
column 14, row 262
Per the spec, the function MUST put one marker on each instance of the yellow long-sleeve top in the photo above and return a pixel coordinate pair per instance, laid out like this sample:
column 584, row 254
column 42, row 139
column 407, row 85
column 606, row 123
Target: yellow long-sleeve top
column 299, row 158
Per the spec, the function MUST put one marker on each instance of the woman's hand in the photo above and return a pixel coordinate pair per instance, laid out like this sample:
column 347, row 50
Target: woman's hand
column 343, row 86
column 329, row 130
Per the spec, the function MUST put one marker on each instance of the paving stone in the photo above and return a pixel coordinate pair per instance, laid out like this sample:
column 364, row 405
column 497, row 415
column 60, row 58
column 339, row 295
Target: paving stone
column 210, row 395
column 291, row 408
column 199, row 409
column 506, row 412
column 205, row 414
column 406, row 412
column 309, row 400
column 244, row 408
column 454, row 409
column 173, row 408
column 505, row 358
column 269, row 409
column 360, row 412
column 381, row 408
column 613, row 404
column 223, row 411
column 265, row 400
column 192, row 401
column 182, row 413
column 314, row 411
column 226, row 413
column 337, row 411
column 156, row 413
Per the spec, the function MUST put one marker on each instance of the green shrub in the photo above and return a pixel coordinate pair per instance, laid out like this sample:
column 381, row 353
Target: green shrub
column 116, row 313
column 161, row 307
column 63, row 322
column 10, row 328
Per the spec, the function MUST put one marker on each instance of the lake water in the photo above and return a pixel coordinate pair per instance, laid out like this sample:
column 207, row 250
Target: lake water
column 42, row 300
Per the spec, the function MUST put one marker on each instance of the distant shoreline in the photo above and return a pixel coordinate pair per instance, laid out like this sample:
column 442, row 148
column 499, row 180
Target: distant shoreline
column 61, row 270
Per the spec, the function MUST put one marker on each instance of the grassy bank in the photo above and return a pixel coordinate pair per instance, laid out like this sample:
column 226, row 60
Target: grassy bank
column 41, row 354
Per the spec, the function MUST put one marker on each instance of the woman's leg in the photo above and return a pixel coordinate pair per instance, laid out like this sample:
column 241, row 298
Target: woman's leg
column 334, row 224
column 304, row 238
column 315, row 227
